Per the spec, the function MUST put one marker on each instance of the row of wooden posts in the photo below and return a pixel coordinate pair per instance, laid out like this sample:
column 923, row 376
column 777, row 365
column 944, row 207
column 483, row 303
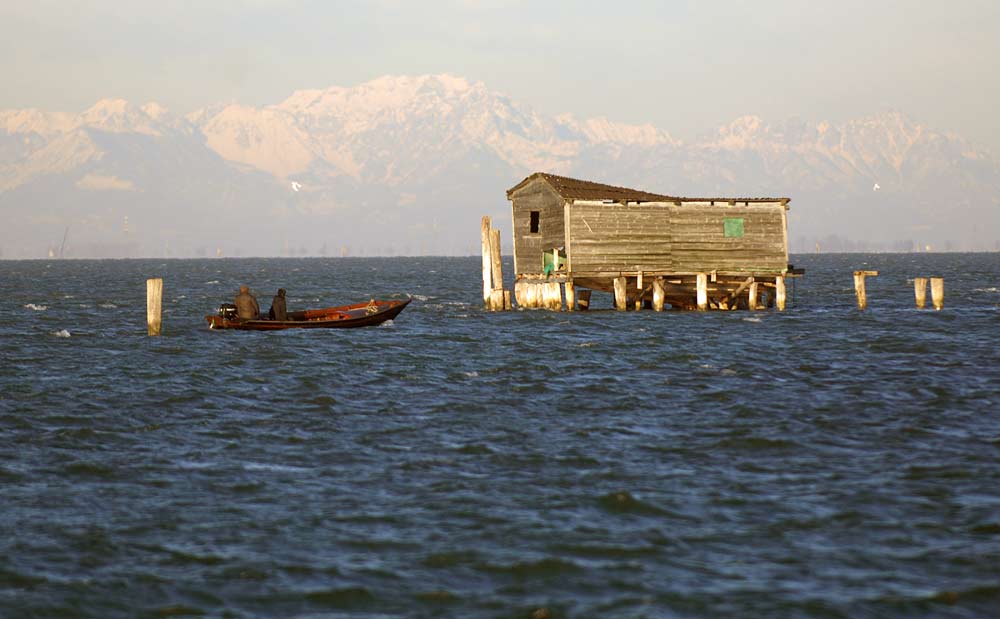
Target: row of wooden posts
column 549, row 295
column 919, row 290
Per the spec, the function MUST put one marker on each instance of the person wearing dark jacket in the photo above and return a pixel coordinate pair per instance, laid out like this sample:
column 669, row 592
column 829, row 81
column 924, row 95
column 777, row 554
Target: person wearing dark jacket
column 278, row 309
column 246, row 305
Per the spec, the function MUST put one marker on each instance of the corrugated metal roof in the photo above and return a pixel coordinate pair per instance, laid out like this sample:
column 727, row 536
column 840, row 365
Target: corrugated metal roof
column 576, row 189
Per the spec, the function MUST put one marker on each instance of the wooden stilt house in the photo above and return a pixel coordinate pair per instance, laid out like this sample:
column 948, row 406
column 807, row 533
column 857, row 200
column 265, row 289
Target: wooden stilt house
column 648, row 249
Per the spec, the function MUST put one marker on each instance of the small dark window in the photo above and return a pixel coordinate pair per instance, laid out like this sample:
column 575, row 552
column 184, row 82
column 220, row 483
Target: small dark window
column 534, row 222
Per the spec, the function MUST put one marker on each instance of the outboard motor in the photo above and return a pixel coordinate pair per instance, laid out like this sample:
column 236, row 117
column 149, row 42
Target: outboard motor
column 228, row 311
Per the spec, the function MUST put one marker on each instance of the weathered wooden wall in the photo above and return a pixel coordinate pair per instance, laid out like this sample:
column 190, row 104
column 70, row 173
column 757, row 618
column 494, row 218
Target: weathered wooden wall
column 664, row 237
column 528, row 247
column 700, row 245
column 608, row 238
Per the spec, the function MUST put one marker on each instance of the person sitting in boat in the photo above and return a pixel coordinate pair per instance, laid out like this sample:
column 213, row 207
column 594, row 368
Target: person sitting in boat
column 246, row 305
column 278, row 309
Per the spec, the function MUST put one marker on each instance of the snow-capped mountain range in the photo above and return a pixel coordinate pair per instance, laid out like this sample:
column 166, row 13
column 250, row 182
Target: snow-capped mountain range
column 409, row 164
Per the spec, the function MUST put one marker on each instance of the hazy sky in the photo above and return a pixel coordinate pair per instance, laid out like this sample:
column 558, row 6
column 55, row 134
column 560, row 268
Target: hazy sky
column 685, row 67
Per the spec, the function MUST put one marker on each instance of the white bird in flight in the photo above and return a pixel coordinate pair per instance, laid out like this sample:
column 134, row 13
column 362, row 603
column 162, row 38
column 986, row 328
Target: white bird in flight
column 296, row 186
column 875, row 188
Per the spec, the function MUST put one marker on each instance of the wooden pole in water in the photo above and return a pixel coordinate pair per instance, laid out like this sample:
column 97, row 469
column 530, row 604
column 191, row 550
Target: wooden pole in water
column 659, row 292
column 496, row 300
column 859, row 290
column 702, row 291
column 752, row 296
column 496, row 267
column 570, row 296
column 859, row 287
column 487, row 266
column 920, row 291
column 154, row 305
column 529, row 293
column 506, row 301
column 638, row 291
column 779, row 293
column 937, row 292
column 555, row 297
column 583, row 300
column 621, row 298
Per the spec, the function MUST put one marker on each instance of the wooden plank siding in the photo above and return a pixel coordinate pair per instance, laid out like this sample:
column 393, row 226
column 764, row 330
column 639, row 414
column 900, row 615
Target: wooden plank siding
column 700, row 244
column 539, row 196
column 664, row 237
column 614, row 237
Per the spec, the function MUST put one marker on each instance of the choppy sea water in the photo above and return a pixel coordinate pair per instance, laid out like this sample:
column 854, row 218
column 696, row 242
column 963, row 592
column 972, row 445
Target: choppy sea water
column 820, row 462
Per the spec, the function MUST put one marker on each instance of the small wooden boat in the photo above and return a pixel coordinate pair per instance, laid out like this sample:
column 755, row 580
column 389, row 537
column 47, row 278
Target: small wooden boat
column 342, row 317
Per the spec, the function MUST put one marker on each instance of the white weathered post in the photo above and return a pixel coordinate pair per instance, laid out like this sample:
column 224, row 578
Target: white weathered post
column 530, row 295
column 702, row 291
column 496, row 268
column 752, row 296
column 859, row 287
column 659, row 292
column 621, row 296
column 920, row 291
column 487, row 266
column 779, row 293
column 154, row 305
column 520, row 288
column 555, row 296
column 496, row 300
column 937, row 292
column 638, row 291
column 570, row 295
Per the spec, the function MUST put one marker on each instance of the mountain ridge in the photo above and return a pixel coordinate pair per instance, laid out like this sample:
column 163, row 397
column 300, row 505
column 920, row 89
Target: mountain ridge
column 395, row 162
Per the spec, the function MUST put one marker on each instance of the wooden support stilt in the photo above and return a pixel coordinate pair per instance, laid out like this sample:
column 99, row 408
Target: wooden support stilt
column 487, row 264
column 702, row 291
column 779, row 293
column 859, row 287
column 555, row 296
column 496, row 300
column 154, row 305
column 522, row 293
column 920, row 291
column 583, row 300
column 531, row 295
column 570, row 296
column 506, row 301
column 937, row 292
column 621, row 296
column 659, row 292
column 752, row 296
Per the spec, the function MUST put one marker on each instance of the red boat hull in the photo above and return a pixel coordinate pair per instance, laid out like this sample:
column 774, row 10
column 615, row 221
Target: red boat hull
column 341, row 317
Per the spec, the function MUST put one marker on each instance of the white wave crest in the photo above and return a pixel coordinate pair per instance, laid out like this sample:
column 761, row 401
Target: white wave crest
column 37, row 308
column 61, row 333
column 108, row 305
column 986, row 289
column 274, row 468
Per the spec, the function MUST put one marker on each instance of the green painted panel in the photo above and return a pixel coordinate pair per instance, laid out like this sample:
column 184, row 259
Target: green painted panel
column 732, row 227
